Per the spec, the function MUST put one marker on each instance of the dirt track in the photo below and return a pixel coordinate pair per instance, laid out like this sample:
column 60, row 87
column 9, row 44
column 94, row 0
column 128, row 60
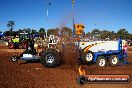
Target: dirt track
column 34, row 75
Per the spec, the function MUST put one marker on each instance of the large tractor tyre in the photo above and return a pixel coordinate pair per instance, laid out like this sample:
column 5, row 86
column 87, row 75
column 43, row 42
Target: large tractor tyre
column 101, row 61
column 11, row 45
column 88, row 57
column 14, row 59
column 16, row 46
column 50, row 58
column 113, row 60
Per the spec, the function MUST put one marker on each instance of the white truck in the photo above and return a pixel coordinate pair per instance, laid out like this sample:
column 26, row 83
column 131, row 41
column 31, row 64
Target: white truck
column 102, row 52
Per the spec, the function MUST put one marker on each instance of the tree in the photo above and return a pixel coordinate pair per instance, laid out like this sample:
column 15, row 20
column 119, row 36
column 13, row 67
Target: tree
column 28, row 30
column 56, row 31
column 96, row 33
column 33, row 31
column 53, row 31
column 42, row 32
column 123, row 34
column 10, row 24
column 113, row 35
column 89, row 35
column 66, row 31
column 50, row 32
column 105, row 34
column 20, row 30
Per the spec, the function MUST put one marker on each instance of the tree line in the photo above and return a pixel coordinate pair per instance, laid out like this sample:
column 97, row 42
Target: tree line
column 103, row 34
column 65, row 31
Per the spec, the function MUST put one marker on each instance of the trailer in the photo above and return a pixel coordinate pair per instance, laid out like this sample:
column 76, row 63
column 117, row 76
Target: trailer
column 104, row 52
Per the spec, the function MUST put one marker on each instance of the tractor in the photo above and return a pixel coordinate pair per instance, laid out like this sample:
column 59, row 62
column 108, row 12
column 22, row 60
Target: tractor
column 50, row 55
column 18, row 41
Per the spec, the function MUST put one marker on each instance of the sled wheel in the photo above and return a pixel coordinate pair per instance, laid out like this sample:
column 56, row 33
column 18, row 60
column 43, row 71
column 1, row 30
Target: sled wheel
column 113, row 60
column 50, row 58
column 101, row 61
column 14, row 59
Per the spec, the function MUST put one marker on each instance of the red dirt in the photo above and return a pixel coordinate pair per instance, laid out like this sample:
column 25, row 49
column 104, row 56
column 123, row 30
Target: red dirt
column 34, row 75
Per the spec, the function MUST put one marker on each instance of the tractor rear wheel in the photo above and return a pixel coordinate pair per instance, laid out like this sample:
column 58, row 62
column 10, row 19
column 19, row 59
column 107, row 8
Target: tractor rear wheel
column 50, row 58
column 11, row 45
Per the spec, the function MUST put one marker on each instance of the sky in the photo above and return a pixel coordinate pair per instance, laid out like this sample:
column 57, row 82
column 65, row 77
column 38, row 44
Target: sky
column 109, row 15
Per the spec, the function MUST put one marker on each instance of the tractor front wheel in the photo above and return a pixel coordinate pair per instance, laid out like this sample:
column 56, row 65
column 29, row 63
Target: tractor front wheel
column 14, row 59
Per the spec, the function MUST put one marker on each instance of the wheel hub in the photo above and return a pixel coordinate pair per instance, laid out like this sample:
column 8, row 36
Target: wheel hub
column 14, row 59
column 102, row 62
column 114, row 60
column 49, row 58
column 89, row 57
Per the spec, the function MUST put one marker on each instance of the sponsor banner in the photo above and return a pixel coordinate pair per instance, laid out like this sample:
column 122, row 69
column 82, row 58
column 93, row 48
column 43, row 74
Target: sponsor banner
column 105, row 79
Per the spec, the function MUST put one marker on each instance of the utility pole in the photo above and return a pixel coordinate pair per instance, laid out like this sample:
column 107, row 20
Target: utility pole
column 47, row 13
column 73, row 31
